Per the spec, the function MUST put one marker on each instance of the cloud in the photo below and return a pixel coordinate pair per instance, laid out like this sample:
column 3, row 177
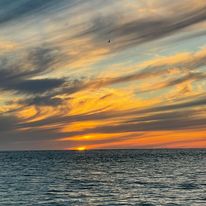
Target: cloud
column 13, row 10
column 167, row 117
column 17, row 74
column 160, row 123
column 191, row 103
column 42, row 101
column 142, row 30
column 7, row 123
column 171, row 117
column 36, row 85
column 185, row 64
column 175, row 81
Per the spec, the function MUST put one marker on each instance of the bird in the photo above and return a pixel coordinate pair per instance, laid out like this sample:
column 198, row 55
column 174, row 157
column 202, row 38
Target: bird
column 109, row 41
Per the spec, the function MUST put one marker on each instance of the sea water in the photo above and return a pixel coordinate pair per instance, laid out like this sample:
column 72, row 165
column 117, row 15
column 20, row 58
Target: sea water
column 104, row 177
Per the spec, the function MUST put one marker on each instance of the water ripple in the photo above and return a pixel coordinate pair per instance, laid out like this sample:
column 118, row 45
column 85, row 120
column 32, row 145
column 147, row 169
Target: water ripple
column 119, row 177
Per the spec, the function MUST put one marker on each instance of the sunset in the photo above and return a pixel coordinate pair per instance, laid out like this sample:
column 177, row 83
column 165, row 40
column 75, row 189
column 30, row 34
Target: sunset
column 62, row 81
column 79, row 76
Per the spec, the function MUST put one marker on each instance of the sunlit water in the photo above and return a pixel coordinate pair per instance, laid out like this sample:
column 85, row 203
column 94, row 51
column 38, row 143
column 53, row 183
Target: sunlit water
column 113, row 177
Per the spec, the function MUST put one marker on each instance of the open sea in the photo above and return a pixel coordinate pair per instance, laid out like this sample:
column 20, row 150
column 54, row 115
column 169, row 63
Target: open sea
column 104, row 177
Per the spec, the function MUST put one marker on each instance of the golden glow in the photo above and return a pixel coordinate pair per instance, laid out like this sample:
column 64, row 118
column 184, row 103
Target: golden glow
column 158, row 139
column 6, row 46
column 81, row 148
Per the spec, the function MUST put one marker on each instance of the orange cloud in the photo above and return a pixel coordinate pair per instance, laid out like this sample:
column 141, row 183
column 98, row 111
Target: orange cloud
column 181, row 139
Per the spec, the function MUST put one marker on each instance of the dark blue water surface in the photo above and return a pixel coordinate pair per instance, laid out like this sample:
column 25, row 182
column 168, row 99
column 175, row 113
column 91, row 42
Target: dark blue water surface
column 107, row 177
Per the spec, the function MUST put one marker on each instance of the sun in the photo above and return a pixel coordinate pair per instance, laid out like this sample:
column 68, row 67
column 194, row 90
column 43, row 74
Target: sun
column 81, row 148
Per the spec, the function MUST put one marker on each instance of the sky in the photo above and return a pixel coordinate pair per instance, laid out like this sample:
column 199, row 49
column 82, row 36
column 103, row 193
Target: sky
column 102, row 74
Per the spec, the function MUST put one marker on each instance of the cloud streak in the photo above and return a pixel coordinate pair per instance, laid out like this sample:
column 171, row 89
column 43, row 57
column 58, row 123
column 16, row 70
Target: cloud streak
column 143, row 30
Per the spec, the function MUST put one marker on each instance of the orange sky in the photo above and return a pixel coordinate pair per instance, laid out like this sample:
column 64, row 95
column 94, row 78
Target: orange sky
column 79, row 76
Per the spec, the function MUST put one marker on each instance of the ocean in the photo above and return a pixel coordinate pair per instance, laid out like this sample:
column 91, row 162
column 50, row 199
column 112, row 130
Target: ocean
column 103, row 177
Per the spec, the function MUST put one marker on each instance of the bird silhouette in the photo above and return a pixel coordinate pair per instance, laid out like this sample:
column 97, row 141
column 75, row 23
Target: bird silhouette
column 109, row 41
